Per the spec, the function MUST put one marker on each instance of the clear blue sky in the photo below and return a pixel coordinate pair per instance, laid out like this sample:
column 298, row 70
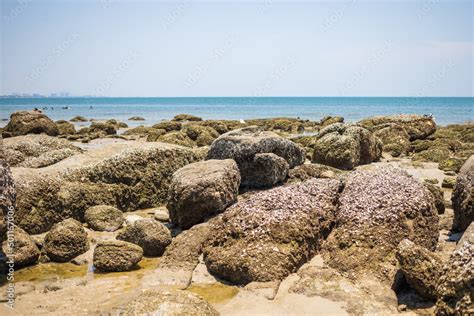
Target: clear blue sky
column 240, row 48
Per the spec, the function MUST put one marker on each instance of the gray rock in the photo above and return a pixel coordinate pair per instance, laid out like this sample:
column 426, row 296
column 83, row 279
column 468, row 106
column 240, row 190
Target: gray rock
column 202, row 189
column 346, row 146
column 463, row 196
column 267, row 170
column 153, row 237
column 65, row 241
column 243, row 144
column 104, row 218
column 116, row 256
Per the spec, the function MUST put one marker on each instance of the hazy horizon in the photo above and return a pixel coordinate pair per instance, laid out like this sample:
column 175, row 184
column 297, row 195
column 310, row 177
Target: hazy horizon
column 186, row 48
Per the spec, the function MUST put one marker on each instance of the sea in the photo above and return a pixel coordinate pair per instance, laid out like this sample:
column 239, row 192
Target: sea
column 445, row 110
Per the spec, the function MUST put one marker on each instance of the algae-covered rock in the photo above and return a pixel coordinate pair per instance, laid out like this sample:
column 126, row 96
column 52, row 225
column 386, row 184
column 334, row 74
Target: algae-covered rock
column 202, row 189
column 168, row 126
column 202, row 135
column 378, row 209
column 136, row 118
column 346, row 146
column 186, row 117
column 329, row 120
column 177, row 138
column 65, row 128
column 312, row 170
column 417, row 126
column 107, row 128
column 463, row 196
column 270, row 235
column 152, row 236
column 438, row 196
column 66, row 240
column 30, row 122
column 116, row 256
column 78, row 118
column 104, row 218
column 243, row 144
column 219, row 126
column 395, row 138
column 451, row 164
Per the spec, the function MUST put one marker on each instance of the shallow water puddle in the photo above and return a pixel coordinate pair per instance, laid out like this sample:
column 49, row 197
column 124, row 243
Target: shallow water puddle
column 214, row 293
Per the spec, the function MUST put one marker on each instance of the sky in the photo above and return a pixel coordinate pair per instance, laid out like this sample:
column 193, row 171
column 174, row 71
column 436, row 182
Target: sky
column 237, row 48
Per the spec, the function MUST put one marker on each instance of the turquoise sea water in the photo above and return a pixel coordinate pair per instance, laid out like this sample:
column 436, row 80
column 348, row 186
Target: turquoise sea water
column 445, row 110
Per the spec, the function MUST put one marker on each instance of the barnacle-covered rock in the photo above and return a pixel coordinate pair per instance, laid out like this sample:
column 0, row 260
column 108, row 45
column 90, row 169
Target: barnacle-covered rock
column 7, row 192
column 202, row 189
column 202, row 135
column 463, row 196
column 346, row 146
column 66, row 240
column 438, row 196
column 24, row 251
column 378, row 209
column 417, row 126
column 169, row 302
column 152, row 236
column 30, row 122
column 104, row 218
column 243, row 144
column 312, row 170
column 267, row 170
column 116, row 256
column 270, row 235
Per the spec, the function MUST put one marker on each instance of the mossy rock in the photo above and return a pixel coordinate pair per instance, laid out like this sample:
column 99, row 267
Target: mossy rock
column 177, row 138
column 435, row 154
column 451, row 164
column 168, row 126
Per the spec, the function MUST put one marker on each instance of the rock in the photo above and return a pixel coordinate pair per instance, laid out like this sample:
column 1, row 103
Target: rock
column 30, row 122
column 103, row 218
column 65, row 241
column 136, row 118
column 451, row 164
column 243, row 144
column 7, row 193
column 267, row 170
column 203, row 135
column 169, row 302
column 270, row 235
column 152, row 236
column 116, row 124
column 139, row 130
column 438, row 196
column 186, row 117
column 417, row 126
column 130, row 219
column 78, row 118
column 65, row 128
column 448, row 182
column 346, row 146
column 329, row 120
column 116, row 256
column 394, row 137
column 154, row 134
column 107, row 128
column 312, row 170
column 177, row 138
column 169, row 126
column 128, row 175
column 456, row 284
column 202, row 189
column 24, row 251
column 219, row 126
column 463, row 196
column 162, row 215
column 378, row 209
column 421, row 267
column 434, row 154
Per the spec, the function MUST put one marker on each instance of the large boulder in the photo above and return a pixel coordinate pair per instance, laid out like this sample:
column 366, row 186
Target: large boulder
column 23, row 250
column 270, row 235
column 421, row 267
column 104, row 218
column 463, row 196
column 268, row 169
column 30, row 122
column 116, row 256
column 169, row 302
column 202, row 189
column 456, row 284
column 417, row 126
column 152, row 236
column 346, row 146
column 243, row 144
column 65, row 241
column 378, row 209
column 128, row 175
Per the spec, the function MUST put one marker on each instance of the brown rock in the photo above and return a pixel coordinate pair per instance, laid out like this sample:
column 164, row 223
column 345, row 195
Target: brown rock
column 31, row 122
column 116, row 256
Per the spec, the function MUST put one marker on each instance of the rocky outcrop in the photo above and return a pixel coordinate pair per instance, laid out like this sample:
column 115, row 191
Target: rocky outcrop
column 378, row 209
column 270, row 235
column 104, row 218
column 421, row 267
column 116, row 256
column 243, row 145
column 456, row 284
column 30, row 122
column 202, row 189
column 128, row 176
column 66, row 240
column 37, row 151
column 463, row 196
column 186, row 117
column 152, row 236
column 23, row 250
column 346, row 146
column 417, row 126
column 169, row 302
